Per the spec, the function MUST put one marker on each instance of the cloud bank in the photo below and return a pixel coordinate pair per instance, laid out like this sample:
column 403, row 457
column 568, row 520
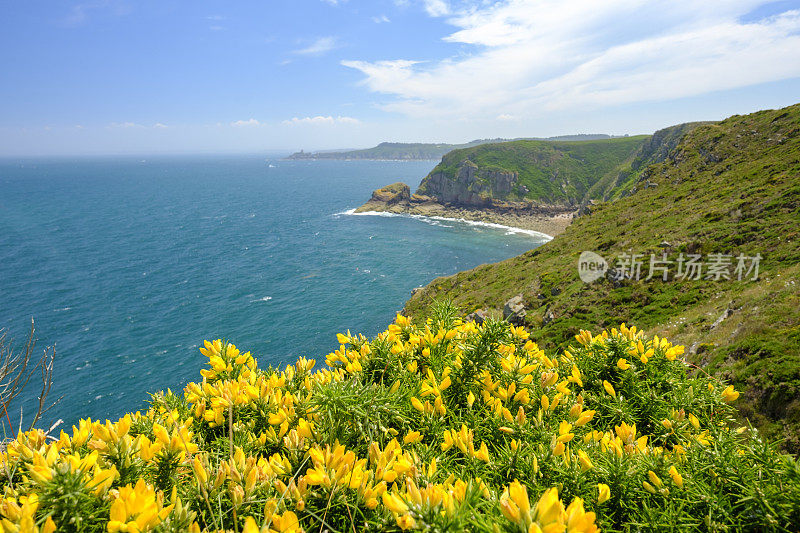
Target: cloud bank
column 245, row 123
column 523, row 57
column 320, row 121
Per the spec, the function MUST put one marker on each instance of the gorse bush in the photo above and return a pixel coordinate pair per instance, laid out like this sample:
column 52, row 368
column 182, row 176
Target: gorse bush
column 441, row 427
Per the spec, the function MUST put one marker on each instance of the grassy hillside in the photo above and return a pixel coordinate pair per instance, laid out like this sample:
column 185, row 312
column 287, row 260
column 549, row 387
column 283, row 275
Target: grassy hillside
column 552, row 171
column 731, row 187
column 654, row 150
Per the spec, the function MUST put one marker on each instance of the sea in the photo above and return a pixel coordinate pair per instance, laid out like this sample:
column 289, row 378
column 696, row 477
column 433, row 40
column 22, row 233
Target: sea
column 127, row 264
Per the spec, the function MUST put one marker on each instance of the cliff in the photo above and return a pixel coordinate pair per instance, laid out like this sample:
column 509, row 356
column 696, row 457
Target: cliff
column 392, row 194
column 471, row 186
column 528, row 171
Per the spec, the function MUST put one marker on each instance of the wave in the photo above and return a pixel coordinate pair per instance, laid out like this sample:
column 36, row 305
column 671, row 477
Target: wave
column 436, row 221
column 264, row 299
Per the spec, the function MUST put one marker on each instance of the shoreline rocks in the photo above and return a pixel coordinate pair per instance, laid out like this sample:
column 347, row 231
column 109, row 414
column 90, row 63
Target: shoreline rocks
column 543, row 218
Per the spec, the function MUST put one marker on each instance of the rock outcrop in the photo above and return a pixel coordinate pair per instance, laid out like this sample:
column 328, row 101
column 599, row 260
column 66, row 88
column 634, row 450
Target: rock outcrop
column 392, row 194
column 514, row 310
column 472, row 187
column 478, row 316
column 387, row 197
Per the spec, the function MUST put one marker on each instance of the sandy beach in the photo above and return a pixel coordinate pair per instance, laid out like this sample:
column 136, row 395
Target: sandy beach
column 548, row 223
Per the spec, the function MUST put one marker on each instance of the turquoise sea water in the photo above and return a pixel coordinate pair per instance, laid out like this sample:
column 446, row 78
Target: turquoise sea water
column 128, row 264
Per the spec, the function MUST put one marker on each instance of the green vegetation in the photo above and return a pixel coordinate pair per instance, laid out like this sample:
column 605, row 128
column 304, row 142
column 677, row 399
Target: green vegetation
column 445, row 426
column 552, row 171
column 654, row 150
column 731, row 187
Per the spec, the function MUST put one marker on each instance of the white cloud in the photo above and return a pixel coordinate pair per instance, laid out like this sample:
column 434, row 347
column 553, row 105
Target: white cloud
column 131, row 125
column 334, row 2
column 241, row 123
column 505, row 117
column 539, row 55
column 381, row 19
column 318, row 47
column 125, row 125
column 381, row 75
column 320, row 120
column 436, row 8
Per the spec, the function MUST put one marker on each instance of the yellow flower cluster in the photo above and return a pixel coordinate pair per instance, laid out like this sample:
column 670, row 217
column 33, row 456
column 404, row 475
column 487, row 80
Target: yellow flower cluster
column 88, row 463
column 269, row 451
column 463, row 439
column 137, row 508
column 548, row 515
column 19, row 515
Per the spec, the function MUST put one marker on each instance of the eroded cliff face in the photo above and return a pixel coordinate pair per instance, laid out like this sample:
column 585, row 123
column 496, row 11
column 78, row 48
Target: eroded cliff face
column 388, row 197
column 472, row 187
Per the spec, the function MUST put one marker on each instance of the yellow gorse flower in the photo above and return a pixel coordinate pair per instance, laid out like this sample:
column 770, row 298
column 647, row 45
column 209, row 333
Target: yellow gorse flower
column 603, row 493
column 729, row 395
column 548, row 514
column 137, row 508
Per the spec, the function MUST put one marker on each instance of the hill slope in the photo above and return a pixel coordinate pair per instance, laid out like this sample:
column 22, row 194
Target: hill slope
column 731, row 188
column 552, row 172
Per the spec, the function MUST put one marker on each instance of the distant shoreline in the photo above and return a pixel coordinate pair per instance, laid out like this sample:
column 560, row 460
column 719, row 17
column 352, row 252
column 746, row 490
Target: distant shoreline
column 351, row 159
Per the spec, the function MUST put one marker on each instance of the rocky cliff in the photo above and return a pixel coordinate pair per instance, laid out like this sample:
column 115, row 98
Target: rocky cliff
column 392, row 194
column 528, row 172
column 473, row 186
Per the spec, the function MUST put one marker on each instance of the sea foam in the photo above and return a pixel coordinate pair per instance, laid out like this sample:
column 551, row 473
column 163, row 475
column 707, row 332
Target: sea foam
column 436, row 221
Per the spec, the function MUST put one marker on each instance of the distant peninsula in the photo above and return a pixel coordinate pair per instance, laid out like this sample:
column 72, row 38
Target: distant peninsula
column 394, row 151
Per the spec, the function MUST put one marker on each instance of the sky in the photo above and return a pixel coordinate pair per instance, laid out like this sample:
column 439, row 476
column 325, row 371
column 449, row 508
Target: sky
column 207, row 76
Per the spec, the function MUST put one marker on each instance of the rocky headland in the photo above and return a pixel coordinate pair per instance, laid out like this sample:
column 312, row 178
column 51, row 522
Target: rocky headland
column 461, row 200
column 550, row 220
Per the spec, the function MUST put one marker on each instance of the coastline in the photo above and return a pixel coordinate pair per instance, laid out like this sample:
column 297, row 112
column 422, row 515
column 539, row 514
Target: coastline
column 351, row 159
column 546, row 225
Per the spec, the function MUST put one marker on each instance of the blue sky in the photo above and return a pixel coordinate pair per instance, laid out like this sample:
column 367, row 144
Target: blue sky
column 115, row 76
